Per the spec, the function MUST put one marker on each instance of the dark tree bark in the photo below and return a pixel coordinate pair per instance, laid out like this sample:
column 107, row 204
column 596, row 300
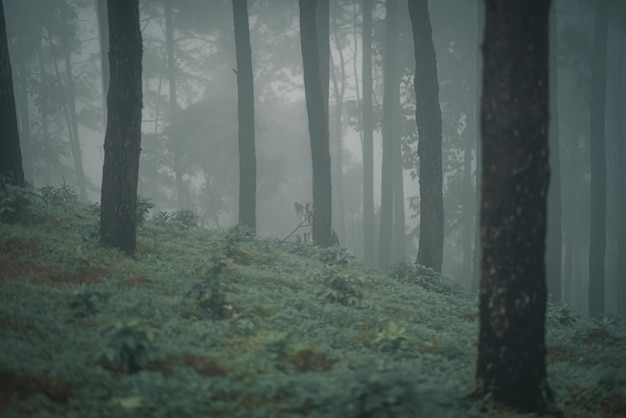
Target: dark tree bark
column 318, row 125
column 245, row 112
column 322, row 22
column 428, row 116
column 171, row 72
column 11, row 170
column 369, row 238
column 103, row 36
column 620, row 163
column 122, row 141
column 554, row 244
column 390, row 95
column 597, row 166
column 514, row 120
column 23, row 117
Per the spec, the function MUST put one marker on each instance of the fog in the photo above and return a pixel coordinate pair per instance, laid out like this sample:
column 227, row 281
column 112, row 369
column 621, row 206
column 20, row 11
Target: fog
column 45, row 34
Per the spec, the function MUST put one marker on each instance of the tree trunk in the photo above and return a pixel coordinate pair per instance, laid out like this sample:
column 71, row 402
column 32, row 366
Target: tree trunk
column 171, row 71
column 554, row 243
column 122, row 141
column 46, row 139
column 620, row 163
column 318, row 125
column 389, row 104
column 245, row 112
column 103, row 36
column 480, row 23
column 11, row 170
column 369, row 238
column 73, row 122
column 514, row 120
column 23, row 112
column 597, row 167
column 428, row 117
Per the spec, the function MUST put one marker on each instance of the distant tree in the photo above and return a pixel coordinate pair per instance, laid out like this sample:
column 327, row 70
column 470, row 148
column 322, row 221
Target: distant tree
column 428, row 117
column 554, row 243
column 171, row 75
column 390, row 96
column 514, row 119
column 368, row 138
column 122, row 142
column 245, row 110
column 103, row 36
column 318, row 125
column 597, row 149
column 11, row 169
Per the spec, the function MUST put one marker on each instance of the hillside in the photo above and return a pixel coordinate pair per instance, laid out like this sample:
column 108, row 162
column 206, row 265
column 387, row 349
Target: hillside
column 220, row 323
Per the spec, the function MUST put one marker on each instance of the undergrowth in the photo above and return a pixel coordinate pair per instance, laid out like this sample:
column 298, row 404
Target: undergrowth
column 222, row 323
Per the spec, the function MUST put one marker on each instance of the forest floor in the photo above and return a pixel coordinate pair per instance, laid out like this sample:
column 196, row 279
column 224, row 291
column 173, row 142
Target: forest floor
column 220, row 323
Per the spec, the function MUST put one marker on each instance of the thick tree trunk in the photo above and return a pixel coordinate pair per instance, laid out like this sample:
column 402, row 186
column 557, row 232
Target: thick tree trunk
column 620, row 163
column 369, row 237
column 554, row 241
column 390, row 85
column 11, row 170
column 318, row 125
column 23, row 112
column 597, row 150
column 428, row 116
column 122, row 142
column 245, row 112
column 514, row 120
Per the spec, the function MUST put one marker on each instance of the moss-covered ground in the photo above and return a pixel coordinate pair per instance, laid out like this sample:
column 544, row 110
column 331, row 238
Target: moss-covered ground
column 206, row 323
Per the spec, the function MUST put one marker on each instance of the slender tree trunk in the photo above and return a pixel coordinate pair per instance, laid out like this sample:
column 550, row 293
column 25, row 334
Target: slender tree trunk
column 23, row 112
column 554, row 244
column 389, row 103
column 48, row 156
column 245, row 111
column 338, row 88
column 480, row 23
column 428, row 116
column 171, row 71
column 73, row 122
column 619, row 96
column 514, row 118
column 318, row 125
column 122, row 141
column 103, row 36
column 369, row 237
column 399, row 228
column 597, row 150
column 11, row 170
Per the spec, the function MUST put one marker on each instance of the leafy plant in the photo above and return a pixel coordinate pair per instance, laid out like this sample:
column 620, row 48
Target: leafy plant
column 378, row 395
column 83, row 302
column 566, row 316
column 335, row 256
column 235, row 236
column 59, row 195
column 130, row 347
column 305, row 220
column 183, row 219
column 342, row 287
column 144, row 205
column 206, row 300
column 427, row 278
column 15, row 203
column 390, row 338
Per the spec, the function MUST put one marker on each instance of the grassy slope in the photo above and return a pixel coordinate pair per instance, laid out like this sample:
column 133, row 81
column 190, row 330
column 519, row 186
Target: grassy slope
column 268, row 343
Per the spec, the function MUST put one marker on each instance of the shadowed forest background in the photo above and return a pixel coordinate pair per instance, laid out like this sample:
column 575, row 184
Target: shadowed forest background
column 57, row 66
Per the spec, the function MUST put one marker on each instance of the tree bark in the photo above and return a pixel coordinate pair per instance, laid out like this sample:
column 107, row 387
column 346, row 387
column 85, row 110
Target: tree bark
column 620, row 163
column 245, row 112
column 514, row 119
column 554, row 244
column 390, row 95
column 11, row 170
column 103, row 36
column 428, row 117
column 597, row 167
column 318, row 125
column 171, row 71
column 369, row 238
column 122, row 142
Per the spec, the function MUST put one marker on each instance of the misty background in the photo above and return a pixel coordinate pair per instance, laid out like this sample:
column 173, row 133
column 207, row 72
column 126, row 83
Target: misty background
column 55, row 48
